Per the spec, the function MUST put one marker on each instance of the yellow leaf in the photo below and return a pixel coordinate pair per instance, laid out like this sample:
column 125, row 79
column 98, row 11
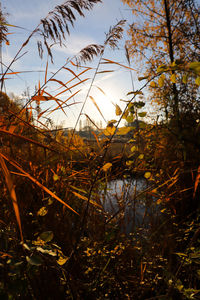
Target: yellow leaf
column 142, row 114
column 50, row 201
column 55, row 177
column 161, row 80
column 111, row 123
column 173, row 78
column 135, row 93
column 185, row 78
column 118, row 110
column 162, row 68
column 106, row 167
column 195, row 66
column 125, row 114
column 129, row 162
column 153, row 84
column 123, row 130
column 142, row 78
column 147, row 175
column 62, row 260
column 141, row 156
column 88, row 270
column 129, row 118
column 134, row 148
column 110, row 130
column 42, row 211
column 197, row 81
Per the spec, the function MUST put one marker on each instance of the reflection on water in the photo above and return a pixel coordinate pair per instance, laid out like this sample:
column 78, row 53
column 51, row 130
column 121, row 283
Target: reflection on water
column 127, row 200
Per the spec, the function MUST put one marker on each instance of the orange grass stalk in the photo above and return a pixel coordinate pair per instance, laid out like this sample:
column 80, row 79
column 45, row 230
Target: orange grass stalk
column 36, row 182
column 13, row 196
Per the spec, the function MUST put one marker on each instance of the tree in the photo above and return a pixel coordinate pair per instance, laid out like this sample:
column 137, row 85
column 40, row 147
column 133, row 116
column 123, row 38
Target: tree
column 165, row 32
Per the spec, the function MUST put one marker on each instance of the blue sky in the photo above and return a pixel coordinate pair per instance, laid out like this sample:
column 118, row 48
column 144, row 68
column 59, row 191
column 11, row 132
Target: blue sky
column 88, row 30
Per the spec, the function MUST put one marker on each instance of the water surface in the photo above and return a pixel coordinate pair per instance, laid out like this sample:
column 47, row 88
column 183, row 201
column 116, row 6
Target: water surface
column 128, row 201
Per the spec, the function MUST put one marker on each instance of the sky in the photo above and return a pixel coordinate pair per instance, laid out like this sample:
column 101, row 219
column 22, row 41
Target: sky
column 89, row 30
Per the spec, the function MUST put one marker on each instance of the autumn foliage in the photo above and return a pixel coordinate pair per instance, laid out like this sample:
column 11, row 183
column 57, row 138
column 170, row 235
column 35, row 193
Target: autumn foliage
column 65, row 234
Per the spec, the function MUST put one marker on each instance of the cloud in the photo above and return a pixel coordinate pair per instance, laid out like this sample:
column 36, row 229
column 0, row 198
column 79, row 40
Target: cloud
column 31, row 10
column 7, row 58
column 75, row 44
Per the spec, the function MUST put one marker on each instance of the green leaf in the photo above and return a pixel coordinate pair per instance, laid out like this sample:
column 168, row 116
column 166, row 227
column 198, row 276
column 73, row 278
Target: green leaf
column 142, row 114
column 139, row 104
column 118, row 110
column 46, row 236
column 123, row 130
column 42, row 211
column 142, row 124
column 34, row 260
column 129, row 119
column 106, row 167
column 197, row 81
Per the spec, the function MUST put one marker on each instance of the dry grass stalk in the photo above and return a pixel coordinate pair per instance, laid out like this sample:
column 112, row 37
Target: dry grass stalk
column 13, row 196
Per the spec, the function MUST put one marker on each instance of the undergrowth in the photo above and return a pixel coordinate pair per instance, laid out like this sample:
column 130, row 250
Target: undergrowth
column 59, row 241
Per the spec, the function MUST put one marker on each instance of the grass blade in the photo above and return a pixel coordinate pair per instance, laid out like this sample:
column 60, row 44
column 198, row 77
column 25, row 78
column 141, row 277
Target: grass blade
column 94, row 102
column 13, row 196
column 71, row 87
column 108, row 61
column 86, row 199
column 37, row 182
column 27, row 139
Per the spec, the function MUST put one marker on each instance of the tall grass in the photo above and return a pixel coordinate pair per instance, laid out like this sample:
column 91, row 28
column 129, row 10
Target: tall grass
column 64, row 244
column 50, row 170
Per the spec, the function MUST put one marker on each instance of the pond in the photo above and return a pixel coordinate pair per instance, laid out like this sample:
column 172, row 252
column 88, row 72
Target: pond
column 127, row 201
